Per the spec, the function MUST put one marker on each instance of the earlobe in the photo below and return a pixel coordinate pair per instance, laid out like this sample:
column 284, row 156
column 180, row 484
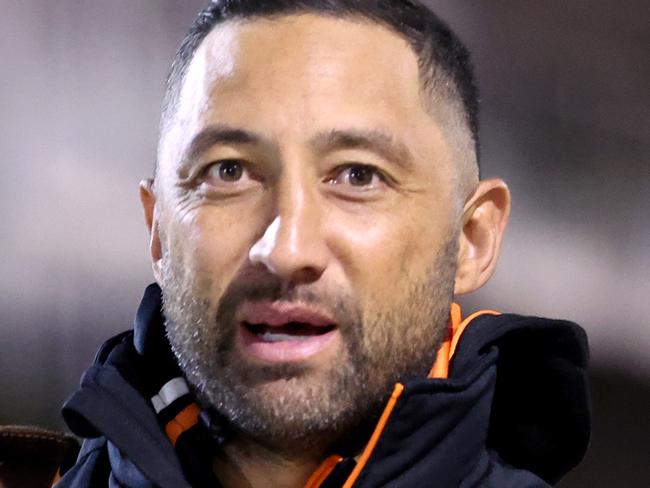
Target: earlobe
column 484, row 221
column 148, row 200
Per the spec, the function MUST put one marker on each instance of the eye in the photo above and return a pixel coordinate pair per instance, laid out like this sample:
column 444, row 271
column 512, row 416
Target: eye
column 228, row 171
column 358, row 175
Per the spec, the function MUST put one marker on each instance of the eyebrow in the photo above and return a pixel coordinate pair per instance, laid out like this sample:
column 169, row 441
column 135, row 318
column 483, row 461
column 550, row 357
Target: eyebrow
column 213, row 135
column 382, row 143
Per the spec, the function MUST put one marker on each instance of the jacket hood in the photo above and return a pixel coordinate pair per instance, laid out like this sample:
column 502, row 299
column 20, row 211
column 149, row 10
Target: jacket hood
column 516, row 399
column 540, row 417
column 113, row 401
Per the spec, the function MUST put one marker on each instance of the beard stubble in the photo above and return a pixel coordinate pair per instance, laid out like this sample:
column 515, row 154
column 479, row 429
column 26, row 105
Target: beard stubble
column 292, row 406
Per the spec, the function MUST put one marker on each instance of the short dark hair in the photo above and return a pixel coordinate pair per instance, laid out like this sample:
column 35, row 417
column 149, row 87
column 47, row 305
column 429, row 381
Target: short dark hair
column 444, row 61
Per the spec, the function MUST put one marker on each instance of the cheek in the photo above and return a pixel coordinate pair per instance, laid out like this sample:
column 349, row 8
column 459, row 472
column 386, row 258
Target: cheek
column 380, row 254
column 212, row 244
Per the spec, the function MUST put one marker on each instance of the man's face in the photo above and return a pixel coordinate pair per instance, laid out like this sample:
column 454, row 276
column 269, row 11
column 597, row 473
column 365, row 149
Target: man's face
column 307, row 222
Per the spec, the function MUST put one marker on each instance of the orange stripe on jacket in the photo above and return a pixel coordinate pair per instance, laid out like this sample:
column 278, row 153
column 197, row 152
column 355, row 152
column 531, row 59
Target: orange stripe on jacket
column 383, row 420
column 186, row 419
column 457, row 326
column 57, row 478
column 440, row 369
column 323, row 471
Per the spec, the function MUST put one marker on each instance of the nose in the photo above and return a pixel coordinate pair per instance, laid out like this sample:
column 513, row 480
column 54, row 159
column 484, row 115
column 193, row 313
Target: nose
column 293, row 246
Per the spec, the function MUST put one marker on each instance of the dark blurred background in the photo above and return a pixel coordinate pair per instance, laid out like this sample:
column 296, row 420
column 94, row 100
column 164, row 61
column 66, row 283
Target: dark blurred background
column 566, row 121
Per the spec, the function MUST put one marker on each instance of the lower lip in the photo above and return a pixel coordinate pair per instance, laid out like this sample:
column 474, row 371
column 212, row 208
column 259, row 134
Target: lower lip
column 285, row 351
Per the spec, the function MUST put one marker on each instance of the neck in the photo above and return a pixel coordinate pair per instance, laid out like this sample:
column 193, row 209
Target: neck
column 243, row 464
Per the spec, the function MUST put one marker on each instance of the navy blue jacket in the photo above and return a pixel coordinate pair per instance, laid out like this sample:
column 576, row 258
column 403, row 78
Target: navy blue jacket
column 514, row 412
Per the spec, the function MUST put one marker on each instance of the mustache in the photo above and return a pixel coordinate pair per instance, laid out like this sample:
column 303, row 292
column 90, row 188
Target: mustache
column 252, row 286
column 263, row 286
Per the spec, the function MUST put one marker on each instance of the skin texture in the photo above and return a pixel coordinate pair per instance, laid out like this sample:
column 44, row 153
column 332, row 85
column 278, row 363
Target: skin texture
column 299, row 103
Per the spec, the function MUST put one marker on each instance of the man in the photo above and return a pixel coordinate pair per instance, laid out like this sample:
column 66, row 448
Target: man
column 316, row 206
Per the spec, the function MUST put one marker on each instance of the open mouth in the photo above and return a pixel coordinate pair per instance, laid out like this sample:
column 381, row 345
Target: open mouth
column 291, row 331
column 274, row 332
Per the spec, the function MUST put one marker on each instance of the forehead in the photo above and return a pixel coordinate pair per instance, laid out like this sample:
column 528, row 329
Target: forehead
column 305, row 57
column 292, row 77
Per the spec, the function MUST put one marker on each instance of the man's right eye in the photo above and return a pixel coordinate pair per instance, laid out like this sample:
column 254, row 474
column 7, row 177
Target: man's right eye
column 228, row 171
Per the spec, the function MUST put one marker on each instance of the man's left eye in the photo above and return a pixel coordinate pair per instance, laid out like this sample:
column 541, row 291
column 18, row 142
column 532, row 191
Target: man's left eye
column 358, row 175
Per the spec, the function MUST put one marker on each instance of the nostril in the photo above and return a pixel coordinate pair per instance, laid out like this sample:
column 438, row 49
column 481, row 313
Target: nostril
column 307, row 274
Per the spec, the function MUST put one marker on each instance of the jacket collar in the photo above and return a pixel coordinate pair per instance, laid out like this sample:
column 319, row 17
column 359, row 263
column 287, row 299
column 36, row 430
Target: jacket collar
column 516, row 393
column 516, row 388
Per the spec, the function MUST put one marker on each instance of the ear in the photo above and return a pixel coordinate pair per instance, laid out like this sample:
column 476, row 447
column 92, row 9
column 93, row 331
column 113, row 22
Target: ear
column 485, row 217
column 148, row 200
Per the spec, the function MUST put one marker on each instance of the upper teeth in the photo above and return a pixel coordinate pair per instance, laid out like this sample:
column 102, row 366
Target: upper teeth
column 276, row 337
